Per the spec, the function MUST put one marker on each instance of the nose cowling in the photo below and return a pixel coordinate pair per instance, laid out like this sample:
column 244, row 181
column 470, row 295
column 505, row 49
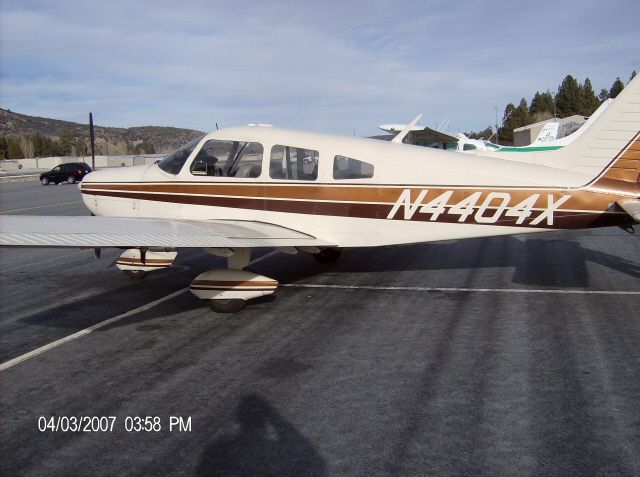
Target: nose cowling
column 116, row 174
column 92, row 187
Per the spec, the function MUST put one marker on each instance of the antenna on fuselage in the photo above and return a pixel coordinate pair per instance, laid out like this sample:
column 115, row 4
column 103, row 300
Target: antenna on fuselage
column 406, row 129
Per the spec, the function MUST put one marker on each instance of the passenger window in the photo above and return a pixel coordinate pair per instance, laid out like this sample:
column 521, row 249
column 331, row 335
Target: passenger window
column 293, row 163
column 228, row 159
column 349, row 168
column 469, row 147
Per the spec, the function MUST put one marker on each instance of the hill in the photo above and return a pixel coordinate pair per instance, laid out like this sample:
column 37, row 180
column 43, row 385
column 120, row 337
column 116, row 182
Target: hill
column 29, row 132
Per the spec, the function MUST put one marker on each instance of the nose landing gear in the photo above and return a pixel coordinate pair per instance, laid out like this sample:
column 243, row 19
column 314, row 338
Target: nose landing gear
column 137, row 263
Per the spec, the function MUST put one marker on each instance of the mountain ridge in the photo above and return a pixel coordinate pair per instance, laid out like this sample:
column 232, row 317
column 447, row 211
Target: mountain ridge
column 162, row 138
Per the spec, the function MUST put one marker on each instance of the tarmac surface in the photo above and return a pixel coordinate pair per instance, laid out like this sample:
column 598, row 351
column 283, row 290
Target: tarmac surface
column 497, row 356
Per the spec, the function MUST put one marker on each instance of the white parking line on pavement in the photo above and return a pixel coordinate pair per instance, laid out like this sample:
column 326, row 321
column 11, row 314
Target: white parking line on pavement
column 102, row 324
column 41, row 207
column 454, row 289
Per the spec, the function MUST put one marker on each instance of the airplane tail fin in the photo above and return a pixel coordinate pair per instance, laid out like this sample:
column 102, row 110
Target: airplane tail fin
column 610, row 149
column 548, row 133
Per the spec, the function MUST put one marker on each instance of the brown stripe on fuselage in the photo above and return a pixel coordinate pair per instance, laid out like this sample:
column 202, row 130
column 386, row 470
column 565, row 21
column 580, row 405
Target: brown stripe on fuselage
column 311, row 192
column 365, row 194
column 592, row 202
column 237, row 284
column 152, row 261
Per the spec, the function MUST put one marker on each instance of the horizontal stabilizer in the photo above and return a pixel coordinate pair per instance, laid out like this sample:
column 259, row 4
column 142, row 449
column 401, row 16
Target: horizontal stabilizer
column 631, row 207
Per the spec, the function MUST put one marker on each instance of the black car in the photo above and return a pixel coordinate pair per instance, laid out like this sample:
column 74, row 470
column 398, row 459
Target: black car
column 70, row 172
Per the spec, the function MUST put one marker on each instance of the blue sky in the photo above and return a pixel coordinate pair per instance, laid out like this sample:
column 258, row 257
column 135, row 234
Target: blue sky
column 330, row 66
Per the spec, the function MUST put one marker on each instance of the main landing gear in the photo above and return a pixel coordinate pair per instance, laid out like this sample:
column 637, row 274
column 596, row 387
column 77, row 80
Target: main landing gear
column 228, row 290
column 327, row 255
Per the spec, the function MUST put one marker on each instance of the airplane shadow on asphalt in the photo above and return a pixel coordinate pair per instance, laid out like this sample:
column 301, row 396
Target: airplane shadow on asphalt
column 536, row 262
column 266, row 444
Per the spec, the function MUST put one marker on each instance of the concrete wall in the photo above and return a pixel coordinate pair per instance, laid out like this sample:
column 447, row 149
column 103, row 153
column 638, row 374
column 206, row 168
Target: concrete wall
column 101, row 162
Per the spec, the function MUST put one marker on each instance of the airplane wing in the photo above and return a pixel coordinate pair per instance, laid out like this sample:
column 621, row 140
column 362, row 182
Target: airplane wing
column 428, row 135
column 98, row 232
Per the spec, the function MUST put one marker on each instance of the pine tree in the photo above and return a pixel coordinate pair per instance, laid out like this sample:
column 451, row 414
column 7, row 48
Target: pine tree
column 568, row 98
column 64, row 143
column 26, row 146
column 38, row 144
column 13, row 150
column 589, row 101
column 4, row 148
column 505, row 133
column 541, row 107
column 603, row 95
column 633, row 75
column 522, row 114
column 616, row 88
column 79, row 147
column 149, row 148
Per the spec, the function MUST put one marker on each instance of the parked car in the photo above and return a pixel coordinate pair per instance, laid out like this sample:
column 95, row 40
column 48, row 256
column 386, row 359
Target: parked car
column 70, row 172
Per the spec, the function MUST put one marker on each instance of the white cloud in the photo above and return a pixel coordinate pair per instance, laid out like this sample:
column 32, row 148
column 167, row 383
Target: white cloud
column 329, row 66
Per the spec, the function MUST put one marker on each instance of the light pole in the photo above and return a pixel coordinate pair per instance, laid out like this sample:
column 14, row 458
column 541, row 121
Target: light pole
column 497, row 140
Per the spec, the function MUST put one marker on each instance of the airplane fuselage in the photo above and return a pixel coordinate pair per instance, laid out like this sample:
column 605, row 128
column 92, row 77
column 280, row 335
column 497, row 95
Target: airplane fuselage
column 412, row 195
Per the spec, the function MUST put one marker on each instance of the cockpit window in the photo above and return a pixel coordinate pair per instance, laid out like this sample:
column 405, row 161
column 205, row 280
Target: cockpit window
column 174, row 161
column 293, row 163
column 228, row 159
column 348, row 168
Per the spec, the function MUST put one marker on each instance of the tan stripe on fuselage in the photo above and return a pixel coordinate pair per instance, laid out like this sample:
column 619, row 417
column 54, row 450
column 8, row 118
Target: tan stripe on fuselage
column 626, row 166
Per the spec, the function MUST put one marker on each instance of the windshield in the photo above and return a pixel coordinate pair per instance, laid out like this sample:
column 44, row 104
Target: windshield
column 174, row 161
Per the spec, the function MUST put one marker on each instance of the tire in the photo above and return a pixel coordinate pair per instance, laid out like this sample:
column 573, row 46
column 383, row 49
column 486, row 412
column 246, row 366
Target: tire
column 327, row 255
column 135, row 274
column 71, row 180
column 45, row 181
column 232, row 305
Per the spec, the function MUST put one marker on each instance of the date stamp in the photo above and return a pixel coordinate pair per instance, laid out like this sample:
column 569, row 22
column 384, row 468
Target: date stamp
column 113, row 423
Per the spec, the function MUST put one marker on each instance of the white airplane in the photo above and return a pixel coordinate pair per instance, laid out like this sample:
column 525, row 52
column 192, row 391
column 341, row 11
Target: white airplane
column 441, row 140
column 240, row 188
column 546, row 140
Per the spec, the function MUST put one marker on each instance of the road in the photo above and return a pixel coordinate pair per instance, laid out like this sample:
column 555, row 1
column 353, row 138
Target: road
column 497, row 356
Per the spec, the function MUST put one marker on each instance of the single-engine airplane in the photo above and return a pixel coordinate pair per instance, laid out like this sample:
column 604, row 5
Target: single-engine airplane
column 240, row 188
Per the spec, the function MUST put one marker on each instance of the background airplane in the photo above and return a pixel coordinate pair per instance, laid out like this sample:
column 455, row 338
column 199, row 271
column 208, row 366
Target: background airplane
column 547, row 138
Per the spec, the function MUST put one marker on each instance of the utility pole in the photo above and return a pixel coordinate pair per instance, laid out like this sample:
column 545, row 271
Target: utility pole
column 93, row 142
